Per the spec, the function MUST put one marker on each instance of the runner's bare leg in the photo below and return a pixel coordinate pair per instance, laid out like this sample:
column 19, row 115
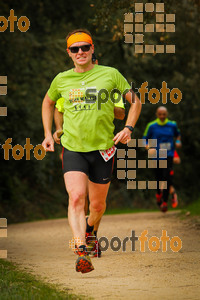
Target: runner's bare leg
column 76, row 186
column 96, row 225
column 97, row 196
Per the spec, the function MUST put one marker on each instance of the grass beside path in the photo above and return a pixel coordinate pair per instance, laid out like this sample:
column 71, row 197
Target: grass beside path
column 19, row 285
column 115, row 211
column 193, row 208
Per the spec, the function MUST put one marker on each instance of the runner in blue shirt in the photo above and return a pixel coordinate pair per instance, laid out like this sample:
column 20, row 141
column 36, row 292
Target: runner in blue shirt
column 165, row 132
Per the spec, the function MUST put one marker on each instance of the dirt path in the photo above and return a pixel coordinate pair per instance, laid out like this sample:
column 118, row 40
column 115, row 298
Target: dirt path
column 42, row 247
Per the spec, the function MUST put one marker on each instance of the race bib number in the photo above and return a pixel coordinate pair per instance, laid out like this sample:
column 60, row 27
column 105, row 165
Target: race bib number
column 109, row 153
column 165, row 146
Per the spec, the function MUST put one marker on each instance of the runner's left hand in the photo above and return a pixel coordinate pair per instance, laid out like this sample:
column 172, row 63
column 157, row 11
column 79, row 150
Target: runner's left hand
column 124, row 136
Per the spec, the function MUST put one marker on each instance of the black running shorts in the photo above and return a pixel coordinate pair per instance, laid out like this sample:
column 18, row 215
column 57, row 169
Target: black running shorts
column 90, row 163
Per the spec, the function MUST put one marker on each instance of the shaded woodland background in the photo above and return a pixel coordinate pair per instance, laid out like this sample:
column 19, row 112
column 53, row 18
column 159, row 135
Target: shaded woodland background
column 34, row 189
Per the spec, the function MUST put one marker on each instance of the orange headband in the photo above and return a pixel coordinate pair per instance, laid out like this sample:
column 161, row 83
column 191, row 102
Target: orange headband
column 79, row 37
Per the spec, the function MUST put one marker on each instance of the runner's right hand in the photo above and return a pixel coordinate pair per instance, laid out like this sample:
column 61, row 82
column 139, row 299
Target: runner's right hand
column 57, row 134
column 48, row 144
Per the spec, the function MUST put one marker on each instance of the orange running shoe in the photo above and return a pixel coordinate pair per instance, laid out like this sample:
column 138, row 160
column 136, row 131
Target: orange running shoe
column 159, row 199
column 83, row 262
column 96, row 251
column 174, row 200
column 164, row 207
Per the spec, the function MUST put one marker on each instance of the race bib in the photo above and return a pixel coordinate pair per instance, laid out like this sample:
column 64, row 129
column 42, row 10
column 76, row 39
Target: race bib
column 109, row 153
column 165, row 146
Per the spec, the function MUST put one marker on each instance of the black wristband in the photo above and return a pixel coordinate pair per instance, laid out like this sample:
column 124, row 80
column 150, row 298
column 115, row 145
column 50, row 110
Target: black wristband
column 130, row 128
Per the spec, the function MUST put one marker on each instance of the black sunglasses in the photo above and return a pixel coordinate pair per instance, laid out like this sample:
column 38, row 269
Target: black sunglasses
column 84, row 48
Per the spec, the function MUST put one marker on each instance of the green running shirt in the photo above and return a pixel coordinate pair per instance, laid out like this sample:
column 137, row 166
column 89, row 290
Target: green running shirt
column 60, row 104
column 88, row 123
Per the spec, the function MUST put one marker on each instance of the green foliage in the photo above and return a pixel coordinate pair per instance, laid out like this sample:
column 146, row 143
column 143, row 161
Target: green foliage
column 35, row 189
column 180, row 70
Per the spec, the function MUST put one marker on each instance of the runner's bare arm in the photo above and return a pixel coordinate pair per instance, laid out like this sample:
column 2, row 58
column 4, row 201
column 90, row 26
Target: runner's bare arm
column 47, row 118
column 125, row 135
column 119, row 113
column 58, row 120
column 178, row 142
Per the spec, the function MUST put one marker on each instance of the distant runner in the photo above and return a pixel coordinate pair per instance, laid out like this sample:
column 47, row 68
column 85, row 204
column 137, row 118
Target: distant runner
column 172, row 191
column 164, row 131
